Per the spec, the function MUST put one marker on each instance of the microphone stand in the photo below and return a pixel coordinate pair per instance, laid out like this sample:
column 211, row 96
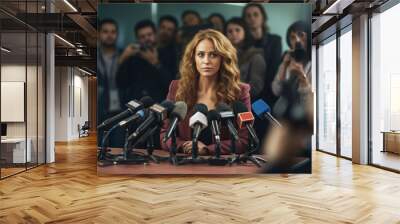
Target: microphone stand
column 102, row 159
column 194, row 159
column 103, row 150
column 251, row 148
column 128, row 152
column 148, row 136
column 137, row 159
column 127, row 157
column 236, row 157
column 217, row 160
column 150, row 144
column 126, row 144
column 103, row 146
column 195, row 149
column 172, row 150
column 124, row 158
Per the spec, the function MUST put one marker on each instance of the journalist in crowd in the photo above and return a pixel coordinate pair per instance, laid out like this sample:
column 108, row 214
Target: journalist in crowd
column 289, row 147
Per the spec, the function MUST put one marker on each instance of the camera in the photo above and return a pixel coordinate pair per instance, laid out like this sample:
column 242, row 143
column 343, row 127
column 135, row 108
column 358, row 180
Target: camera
column 145, row 47
column 299, row 54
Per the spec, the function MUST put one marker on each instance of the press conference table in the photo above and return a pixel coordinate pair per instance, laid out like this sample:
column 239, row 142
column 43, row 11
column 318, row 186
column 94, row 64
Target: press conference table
column 165, row 168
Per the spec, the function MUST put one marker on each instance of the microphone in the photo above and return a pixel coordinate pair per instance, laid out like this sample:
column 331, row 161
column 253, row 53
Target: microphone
column 198, row 121
column 133, row 106
column 169, row 106
column 177, row 114
column 263, row 111
column 133, row 118
column 227, row 116
column 213, row 117
column 245, row 119
column 157, row 113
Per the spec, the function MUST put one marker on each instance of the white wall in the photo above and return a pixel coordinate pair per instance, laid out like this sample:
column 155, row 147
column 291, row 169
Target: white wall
column 16, row 73
column 71, row 93
column 61, row 103
column 80, row 98
column 12, row 73
column 33, row 126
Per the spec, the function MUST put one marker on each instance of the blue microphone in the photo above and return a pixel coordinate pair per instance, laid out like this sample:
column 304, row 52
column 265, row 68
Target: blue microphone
column 263, row 111
column 131, row 119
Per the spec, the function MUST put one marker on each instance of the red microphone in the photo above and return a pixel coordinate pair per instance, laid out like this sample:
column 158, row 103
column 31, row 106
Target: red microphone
column 244, row 118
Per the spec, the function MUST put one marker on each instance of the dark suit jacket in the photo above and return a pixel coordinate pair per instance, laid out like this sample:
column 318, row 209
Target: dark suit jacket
column 272, row 46
column 137, row 78
column 185, row 132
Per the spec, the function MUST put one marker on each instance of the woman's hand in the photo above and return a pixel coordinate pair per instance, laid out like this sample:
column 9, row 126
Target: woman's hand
column 203, row 150
column 187, row 148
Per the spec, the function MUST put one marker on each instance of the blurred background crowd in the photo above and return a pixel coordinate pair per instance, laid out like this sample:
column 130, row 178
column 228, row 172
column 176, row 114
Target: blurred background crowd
column 140, row 47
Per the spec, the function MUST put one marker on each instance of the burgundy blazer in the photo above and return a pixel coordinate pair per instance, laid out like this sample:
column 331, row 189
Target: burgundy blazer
column 185, row 132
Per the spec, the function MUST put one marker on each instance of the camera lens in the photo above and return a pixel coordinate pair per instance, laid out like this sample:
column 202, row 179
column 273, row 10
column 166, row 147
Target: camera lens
column 299, row 53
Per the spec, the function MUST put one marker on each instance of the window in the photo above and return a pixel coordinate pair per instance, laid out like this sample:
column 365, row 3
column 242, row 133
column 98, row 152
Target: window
column 346, row 92
column 327, row 96
column 385, row 89
column 22, row 75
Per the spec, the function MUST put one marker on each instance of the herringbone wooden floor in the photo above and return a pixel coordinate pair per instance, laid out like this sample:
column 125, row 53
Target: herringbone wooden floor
column 69, row 191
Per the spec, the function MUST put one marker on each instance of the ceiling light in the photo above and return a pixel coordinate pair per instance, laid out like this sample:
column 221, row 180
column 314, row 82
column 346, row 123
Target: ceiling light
column 64, row 40
column 326, row 11
column 70, row 5
column 84, row 71
column 5, row 50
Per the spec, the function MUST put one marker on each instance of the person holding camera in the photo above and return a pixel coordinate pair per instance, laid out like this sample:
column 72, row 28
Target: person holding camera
column 142, row 72
column 289, row 147
column 297, row 61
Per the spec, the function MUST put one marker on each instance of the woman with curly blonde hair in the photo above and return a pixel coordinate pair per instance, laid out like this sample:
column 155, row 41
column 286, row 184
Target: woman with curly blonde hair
column 209, row 74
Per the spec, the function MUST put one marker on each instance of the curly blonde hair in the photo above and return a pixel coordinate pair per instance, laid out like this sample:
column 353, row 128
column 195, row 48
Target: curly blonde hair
column 228, row 80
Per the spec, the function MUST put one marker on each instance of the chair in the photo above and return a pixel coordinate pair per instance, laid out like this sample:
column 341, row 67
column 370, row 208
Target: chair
column 84, row 130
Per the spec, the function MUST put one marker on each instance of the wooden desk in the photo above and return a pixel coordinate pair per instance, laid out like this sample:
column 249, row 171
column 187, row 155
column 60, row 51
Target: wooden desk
column 14, row 151
column 167, row 168
column 391, row 141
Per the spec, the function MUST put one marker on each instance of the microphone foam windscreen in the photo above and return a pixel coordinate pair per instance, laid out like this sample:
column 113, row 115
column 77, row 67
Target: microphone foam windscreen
column 260, row 107
column 169, row 105
column 213, row 115
column 200, row 108
column 198, row 118
column 147, row 101
column 239, row 107
column 180, row 110
column 223, row 107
